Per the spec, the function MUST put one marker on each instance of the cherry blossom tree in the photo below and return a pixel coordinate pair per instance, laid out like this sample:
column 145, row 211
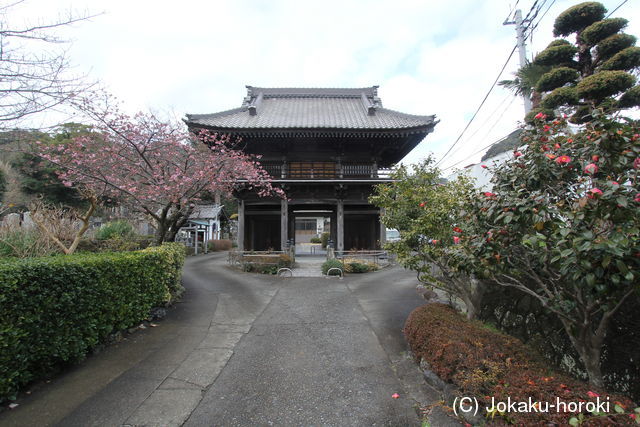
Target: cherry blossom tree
column 154, row 166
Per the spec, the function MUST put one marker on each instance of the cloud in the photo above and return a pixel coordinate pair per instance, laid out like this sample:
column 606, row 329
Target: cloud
column 197, row 56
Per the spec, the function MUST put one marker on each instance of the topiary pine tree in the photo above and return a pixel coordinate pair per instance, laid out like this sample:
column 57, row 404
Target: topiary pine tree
column 592, row 72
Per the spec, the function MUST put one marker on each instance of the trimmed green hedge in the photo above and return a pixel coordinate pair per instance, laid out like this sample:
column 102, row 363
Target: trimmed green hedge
column 53, row 310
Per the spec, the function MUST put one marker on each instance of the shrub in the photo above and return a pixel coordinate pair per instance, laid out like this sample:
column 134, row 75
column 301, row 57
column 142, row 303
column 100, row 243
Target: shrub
column 578, row 17
column 324, row 239
column 626, row 59
column 560, row 96
column 21, row 243
column 605, row 83
column 486, row 364
column 614, row 44
column 315, row 240
column 352, row 265
column 53, row 310
column 600, row 30
column 219, row 245
column 556, row 54
column 332, row 263
column 556, row 78
column 113, row 229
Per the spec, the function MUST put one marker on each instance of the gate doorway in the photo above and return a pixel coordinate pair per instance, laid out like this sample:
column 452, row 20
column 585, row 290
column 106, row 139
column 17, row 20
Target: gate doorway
column 309, row 226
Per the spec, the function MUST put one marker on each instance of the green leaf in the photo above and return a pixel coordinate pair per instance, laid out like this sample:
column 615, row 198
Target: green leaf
column 573, row 421
column 605, row 261
column 618, row 409
column 622, row 201
column 622, row 267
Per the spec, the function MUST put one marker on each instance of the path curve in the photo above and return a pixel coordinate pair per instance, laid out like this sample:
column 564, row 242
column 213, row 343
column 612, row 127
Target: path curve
column 246, row 349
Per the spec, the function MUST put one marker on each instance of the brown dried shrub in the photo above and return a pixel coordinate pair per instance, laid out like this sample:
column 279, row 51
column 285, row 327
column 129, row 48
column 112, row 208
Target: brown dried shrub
column 484, row 363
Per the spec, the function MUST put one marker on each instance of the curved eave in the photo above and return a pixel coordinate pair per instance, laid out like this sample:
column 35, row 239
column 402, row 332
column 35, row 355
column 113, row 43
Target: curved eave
column 316, row 132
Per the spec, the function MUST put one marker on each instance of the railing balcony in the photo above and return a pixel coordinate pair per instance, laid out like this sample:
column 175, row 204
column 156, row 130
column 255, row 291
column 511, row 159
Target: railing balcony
column 325, row 170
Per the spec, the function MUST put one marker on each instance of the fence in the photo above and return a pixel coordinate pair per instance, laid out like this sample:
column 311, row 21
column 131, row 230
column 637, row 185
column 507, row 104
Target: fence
column 378, row 257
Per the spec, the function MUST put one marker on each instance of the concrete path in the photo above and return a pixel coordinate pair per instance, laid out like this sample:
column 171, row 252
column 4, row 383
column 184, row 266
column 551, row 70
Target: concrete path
column 245, row 349
column 309, row 265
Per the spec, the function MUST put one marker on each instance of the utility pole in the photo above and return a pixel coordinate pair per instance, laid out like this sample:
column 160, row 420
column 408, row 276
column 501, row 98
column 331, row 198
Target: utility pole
column 522, row 49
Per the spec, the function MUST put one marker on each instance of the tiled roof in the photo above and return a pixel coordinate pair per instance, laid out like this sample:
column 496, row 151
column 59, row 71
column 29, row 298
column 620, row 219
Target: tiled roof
column 312, row 108
column 205, row 212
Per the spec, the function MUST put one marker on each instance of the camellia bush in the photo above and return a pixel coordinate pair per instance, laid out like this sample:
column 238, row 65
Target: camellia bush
column 562, row 224
column 430, row 216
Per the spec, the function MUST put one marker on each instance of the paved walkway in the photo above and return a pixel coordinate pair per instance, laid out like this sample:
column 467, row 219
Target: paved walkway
column 245, row 349
column 309, row 265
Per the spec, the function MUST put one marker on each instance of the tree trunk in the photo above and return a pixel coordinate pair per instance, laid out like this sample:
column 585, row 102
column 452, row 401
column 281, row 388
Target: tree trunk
column 473, row 297
column 589, row 347
column 161, row 230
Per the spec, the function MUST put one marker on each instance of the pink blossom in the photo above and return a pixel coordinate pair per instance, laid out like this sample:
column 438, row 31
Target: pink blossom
column 636, row 163
column 563, row 160
column 483, row 166
column 595, row 192
column 517, row 154
column 637, row 198
column 591, row 168
column 489, row 194
column 540, row 116
column 456, row 239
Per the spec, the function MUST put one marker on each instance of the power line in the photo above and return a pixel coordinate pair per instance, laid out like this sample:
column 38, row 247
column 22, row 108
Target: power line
column 489, row 117
column 614, row 10
column 495, row 123
column 480, row 106
column 530, row 35
column 479, row 151
column 515, row 6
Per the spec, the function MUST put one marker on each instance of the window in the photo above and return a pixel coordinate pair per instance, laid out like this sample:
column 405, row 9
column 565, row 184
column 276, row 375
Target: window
column 312, row 170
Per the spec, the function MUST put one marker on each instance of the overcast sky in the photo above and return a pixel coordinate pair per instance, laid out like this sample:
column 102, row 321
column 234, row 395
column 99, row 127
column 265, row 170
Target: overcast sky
column 429, row 57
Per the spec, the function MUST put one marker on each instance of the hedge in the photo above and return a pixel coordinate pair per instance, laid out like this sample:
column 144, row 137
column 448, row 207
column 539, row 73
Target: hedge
column 485, row 364
column 54, row 310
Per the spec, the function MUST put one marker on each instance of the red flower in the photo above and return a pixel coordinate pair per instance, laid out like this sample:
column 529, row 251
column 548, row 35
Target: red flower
column 595, row 157
column 636, row 163
column 395, row 395
column 591, row 168
column 540, row 116
column 637, row 199
column 595, row 192
column 489, row 194
column 457, row 229
column 592, row 394
column 615, row 183
column 545, row 147
column 570, row 140
column 483, row 166
column 422, row 204
column 546, row 128
column 632, row 416
column 456, row 240
column 563, row 160
column 434, row 242
column 517, row 154
column 551, row 156
column 557, row 146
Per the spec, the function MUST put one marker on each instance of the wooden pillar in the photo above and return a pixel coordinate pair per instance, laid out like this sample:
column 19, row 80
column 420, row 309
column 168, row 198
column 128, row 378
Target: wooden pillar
column 284, row 223
column 383, row 229
column 340, row 226
column 241, row 225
